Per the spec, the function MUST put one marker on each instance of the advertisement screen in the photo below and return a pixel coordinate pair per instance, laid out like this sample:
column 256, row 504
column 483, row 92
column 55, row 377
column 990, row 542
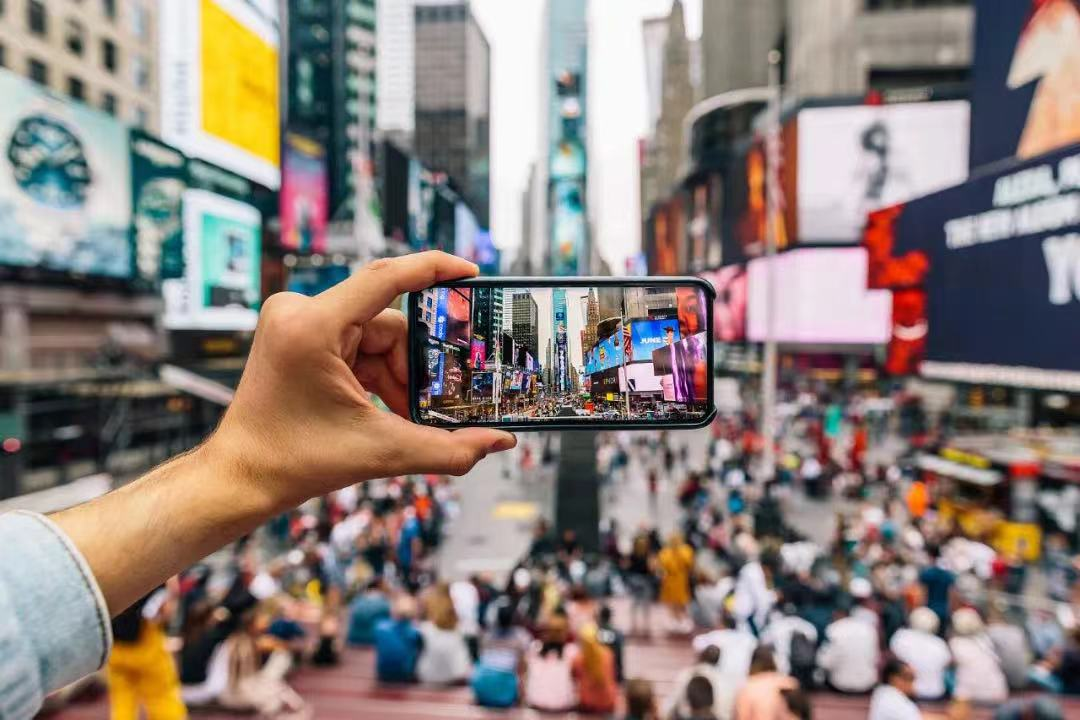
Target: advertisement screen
column 65, row 179
column 311, row 281
column 219, row 76
column 564, row 398
column 1025, row 88
column 648, row 335
column 222, row 248
column 453, row 379
column 435, row 371
column 729, row 307
column 304, row 195
column 852, row 160
column 691, row 311
column 821, row 297
column 568, row 225
column 476, row 354
column 421, row 194
column 159, row 177
column 994, row 266
column 466, row 230
column 459, row 317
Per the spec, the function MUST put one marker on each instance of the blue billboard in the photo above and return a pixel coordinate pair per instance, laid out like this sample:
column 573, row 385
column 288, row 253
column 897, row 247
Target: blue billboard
column 436, row 362
column 648, row 335
column 609, row 352
column 441, row 308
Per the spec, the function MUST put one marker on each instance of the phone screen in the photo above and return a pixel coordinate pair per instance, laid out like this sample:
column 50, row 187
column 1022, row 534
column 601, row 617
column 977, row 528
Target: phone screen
column 561, row 355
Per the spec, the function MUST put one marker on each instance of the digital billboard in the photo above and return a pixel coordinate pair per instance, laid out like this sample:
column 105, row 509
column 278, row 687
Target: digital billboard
column 421, row 206
column 855, row 159
column 466, row 229
column 691, row 310
column 311, row 281
column 568, row 226
column 648, row 335
column 453, row 378
column 821, row 298
column 609, row 352
column 304, row 197
column 690, row 372
column 476, row 354
column 220, row 84
column 221, row 284
column 65, row 179
column 994, row 264
column 459, row 317
column 729, row 307
column 1025, row 88
column 159, row 178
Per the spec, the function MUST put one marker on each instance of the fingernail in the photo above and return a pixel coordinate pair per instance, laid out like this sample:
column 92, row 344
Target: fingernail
column 503, row 443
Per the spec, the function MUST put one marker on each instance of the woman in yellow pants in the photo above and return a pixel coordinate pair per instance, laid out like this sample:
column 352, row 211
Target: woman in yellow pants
column 141, row 671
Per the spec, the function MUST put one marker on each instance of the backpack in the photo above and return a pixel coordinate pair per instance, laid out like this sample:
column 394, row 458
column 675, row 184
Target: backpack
column 802, row 656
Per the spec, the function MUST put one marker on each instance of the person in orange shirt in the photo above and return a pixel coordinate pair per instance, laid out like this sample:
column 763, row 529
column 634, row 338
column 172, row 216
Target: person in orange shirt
column 593, row 669
column 918, row 499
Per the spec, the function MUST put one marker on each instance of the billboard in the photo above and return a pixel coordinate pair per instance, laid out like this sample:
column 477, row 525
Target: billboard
column 304, row 198
column 421, row 206
column 568, row 226
column 689, row 369
column 442, row 299
column 640, row 378
column 459, row 317
column 221, row 284
column 609, row 352
column 729, row 306
column 989, row 276
column 476, row 354
column 855, row 159
column 159, row 177
column 65, row 178
column 394, row 170
column 648, row 335
column 1025, row 88
column 691, row 311
column 311, row 281
column 466, row 230
column 453, row 378
column 219, row 84
column 436, row 365
column 821, row 298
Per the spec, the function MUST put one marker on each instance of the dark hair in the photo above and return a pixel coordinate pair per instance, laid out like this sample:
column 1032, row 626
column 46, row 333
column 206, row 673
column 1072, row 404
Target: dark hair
column 762, row 661
column 604, row 614
column 699, row 693
column 893, row 667
column 709, row 656
column 504, row 616
column 798, row 703
column 933, row 551
column 639, row 698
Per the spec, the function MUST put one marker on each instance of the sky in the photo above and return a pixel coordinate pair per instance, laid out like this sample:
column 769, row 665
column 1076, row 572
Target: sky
column 616, row 108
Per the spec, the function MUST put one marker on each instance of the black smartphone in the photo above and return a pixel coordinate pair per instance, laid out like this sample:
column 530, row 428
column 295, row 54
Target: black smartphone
column 562, row 353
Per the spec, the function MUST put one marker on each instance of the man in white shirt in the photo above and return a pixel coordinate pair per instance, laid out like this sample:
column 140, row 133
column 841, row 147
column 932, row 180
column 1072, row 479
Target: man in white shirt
column 466, row 599
column 778, row 634
column 921, row 649
column 724, row 687
column 736, row 648
column 850, row 655
column 892, row 699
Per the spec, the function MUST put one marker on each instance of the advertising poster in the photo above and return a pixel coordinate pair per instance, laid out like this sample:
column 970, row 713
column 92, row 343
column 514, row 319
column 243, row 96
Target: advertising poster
column 421, row 195
column 482, row 386
column 663, row 360
column 640, row 378
column 648, row 335
column 453, row 377
column 690, row 374
column 220, row 84
column 666, row 243
column 222, row 247
column 692, row 310
column 65, row 179
column 855, row 159
column 486, row 255
column 606, row 382
column 444, row 219
column 159, row 178
column 1025, row 88
column 516, row 380
column 530, row 364
column 458, row 317
column 729, row 308
column 394, row 171
column 442, row 300
column 995, row 265
column 476, row 355
column 304, row 195
column 436, row 365
column 609, row 352
column 568, row 226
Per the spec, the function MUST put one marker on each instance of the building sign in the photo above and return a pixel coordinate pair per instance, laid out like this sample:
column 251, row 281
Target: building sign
column 159, row 177
column 305, row 195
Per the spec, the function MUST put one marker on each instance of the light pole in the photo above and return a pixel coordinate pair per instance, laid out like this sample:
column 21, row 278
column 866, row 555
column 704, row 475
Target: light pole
column 772, row 210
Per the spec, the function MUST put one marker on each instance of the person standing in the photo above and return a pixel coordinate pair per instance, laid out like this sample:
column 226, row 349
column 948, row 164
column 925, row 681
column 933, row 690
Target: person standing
column 937, row 581
column 639, row 572
column 141, row 672
column 676, row 561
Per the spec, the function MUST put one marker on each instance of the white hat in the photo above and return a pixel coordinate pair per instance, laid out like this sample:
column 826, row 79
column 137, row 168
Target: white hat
column 860, row 588
column 966, row 622
column 924, row 620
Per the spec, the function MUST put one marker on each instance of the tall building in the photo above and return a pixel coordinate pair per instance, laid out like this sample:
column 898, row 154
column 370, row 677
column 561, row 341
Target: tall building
column 654, row 33
column 592, row 319
column 452, row 116
column 736, row 39
column 560, row 323
column 332, row 87
column 103, row 54
column 560, row 193
column 526, row 323
column 395, row 68
column 487, row 317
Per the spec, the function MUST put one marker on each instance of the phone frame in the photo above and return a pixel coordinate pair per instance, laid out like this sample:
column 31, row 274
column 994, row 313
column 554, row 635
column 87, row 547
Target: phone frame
column 412, row 305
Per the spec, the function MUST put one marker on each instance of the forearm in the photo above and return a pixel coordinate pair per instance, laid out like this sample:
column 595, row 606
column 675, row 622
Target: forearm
column 138, row 536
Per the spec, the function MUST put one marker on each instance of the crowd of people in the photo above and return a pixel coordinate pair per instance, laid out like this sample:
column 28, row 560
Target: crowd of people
column 898, row 606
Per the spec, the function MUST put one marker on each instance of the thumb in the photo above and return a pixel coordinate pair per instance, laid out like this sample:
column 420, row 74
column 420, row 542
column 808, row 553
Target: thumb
column 423, row 449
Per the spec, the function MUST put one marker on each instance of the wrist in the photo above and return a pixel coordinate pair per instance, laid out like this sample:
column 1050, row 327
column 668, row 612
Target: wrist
column 239, row 481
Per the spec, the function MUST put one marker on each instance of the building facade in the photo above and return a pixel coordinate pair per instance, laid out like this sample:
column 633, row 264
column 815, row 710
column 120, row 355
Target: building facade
column 736, row 41
column 395, row 68
column 525, row 327
column 452, row 115
column 103, row 54
column 332, row 87
column 487, row 317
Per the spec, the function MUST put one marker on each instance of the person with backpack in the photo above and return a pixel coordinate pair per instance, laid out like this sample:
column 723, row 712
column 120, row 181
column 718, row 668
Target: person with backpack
column 794, row 642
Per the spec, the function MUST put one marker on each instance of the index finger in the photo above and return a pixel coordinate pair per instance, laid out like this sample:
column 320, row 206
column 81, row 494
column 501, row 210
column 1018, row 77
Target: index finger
column 370, row 291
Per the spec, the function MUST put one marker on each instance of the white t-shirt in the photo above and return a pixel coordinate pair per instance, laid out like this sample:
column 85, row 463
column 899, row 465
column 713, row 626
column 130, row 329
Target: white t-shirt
column 778, row 633
column 466, row 601
column 445, row 657
column 736, row 650
column 928, row 655
column 979, row 677
column 888, row 703
column 850, row 655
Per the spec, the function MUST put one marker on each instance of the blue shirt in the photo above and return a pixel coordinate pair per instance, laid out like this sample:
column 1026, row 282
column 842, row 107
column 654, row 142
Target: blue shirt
column 54, row 624
column 937, row 582
column 409, row 532
column 397, row 647
column 364, row 613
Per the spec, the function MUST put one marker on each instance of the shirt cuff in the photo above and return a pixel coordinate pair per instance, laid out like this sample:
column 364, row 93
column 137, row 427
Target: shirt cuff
column 61, row 625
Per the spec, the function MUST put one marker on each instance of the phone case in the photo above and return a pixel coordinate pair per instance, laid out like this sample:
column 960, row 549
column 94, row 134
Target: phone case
column 416, row 360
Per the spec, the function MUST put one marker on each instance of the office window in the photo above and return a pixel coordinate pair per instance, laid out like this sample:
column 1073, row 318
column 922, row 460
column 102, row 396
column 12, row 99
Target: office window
column 140, row 21
column 37, row 19
column 74, row 36
column 140, row 72
column 109, row 8
column 76, row 89
column 109, row 55
column 38, row 71
column 109, row 103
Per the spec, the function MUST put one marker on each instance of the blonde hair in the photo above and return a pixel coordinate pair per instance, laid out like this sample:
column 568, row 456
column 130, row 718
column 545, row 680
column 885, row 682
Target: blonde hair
column 440, row 608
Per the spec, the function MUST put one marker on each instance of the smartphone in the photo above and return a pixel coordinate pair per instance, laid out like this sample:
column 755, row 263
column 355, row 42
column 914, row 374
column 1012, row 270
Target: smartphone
column 562, row 353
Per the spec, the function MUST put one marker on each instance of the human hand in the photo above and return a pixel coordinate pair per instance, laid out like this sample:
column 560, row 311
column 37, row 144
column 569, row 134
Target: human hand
column 302, row 422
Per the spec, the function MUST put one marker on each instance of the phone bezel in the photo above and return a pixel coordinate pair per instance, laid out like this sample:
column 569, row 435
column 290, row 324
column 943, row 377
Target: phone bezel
column 554, row 282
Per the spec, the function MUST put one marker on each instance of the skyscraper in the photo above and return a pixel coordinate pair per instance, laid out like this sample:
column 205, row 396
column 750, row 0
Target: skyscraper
column 737, row 40
column 487, row 317
column 395, row 66
column 526, row 323
column 592, row 319
column 559, row 325
column 331, row 86
column 452, row 115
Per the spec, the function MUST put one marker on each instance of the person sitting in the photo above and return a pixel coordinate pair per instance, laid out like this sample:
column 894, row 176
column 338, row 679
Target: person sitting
column 708, row 667
column 927, row 654
column 497, row 677
column 365, row 612
column 699, row 699
column 849, row 656
column 398, row 643
column 611, row 637
column 1069, row 665
column 892, row 699
column 761, row 698
column 444, row 659
column 549, row 683
column 736, row 648
column 580, row 609
column 784, row 630
column 640, row 700
column 593, row 668
column 979, row 677
column 1011, row 645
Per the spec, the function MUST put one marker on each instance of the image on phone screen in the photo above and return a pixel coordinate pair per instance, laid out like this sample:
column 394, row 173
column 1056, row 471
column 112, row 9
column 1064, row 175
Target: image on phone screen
column 567, row 355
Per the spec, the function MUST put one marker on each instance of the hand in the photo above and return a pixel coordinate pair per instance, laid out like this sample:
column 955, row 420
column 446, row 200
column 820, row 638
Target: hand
column 302, row 422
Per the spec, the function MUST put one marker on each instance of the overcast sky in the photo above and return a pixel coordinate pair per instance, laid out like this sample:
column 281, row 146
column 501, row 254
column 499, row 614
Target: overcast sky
column 616, row 109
